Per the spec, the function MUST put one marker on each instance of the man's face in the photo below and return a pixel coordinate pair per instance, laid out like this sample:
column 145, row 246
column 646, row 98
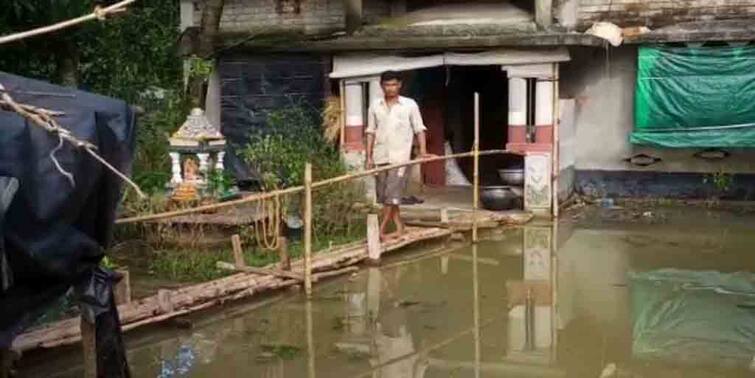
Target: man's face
column 391, row 88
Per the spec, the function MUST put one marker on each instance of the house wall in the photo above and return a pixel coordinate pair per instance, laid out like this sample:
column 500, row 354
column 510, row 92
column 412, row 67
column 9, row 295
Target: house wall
column 655, row 13
column 602, row 82
column 251, row 86
column 308, row 16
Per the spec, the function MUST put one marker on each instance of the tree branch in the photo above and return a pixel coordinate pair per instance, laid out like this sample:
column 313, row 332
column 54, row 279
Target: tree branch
column 98, row 13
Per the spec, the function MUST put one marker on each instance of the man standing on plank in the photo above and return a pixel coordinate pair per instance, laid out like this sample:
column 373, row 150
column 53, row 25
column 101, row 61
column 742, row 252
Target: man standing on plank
column 393, row 122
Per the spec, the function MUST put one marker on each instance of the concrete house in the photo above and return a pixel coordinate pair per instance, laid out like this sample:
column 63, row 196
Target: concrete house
column 558, row 81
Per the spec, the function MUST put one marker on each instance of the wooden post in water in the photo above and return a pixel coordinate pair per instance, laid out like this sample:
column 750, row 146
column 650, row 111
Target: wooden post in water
column 285, row 260
column 310, row 341
column 476, row 177
column 308, row 229
column 238, row 252
column 89, row 348
column 122, row 289
column 373, row 239
column 6, row 363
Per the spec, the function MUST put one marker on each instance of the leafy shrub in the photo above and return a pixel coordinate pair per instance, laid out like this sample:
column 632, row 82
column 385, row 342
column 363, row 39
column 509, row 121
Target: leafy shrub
column 279, row 152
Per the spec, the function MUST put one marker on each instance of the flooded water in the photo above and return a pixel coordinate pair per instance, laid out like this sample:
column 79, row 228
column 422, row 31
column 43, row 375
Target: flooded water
column 655, row 296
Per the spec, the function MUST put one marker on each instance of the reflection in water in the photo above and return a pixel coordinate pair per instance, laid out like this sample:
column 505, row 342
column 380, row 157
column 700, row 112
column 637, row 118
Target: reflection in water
column 540, row 301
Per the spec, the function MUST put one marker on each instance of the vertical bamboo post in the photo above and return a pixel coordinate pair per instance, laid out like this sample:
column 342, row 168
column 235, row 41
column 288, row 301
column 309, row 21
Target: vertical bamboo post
column 122, row 289
column 476, row 311
column 310, row 341
column 89, row 348
column 373, row 239
column 308, row 229
column 555, row 169
column 476, row 177
column 285, row 260
column 238, row 252
column 6, row 363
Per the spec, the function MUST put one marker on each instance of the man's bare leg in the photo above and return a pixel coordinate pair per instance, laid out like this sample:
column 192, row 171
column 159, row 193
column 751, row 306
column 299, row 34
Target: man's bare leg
column 397, row 221
column 387, row 214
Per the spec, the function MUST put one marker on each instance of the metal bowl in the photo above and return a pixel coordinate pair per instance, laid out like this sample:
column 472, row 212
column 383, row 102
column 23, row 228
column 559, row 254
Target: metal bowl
column 499, row 198
column 512, row 176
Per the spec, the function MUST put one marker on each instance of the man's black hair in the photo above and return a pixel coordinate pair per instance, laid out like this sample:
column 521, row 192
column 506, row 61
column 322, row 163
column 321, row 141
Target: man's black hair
column 389, row 75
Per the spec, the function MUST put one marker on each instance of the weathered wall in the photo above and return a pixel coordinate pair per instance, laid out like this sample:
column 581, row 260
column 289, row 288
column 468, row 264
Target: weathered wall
column 603, row 88
column 309, row 16
column 655, row 13
column 252, row 86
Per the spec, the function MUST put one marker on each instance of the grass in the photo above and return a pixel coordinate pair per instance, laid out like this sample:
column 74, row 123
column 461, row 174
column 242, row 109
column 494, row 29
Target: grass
column 192, row 265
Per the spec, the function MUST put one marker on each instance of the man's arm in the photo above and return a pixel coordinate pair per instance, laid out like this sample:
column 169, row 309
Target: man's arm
column 419, row 131
column 370, row 163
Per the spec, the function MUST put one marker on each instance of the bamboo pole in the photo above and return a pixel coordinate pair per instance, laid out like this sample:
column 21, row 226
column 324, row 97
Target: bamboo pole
column 89, row 348
column 238, row 252
column 297, row 189
column 476, row 311
column 342, row 115
column 476, row 156
column 555, row 169
column 308, row 229
column 98, row 13
column 310, row 341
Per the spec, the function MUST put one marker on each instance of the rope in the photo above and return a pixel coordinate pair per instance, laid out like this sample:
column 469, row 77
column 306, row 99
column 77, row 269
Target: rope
column 269, row 223
column 97, row 14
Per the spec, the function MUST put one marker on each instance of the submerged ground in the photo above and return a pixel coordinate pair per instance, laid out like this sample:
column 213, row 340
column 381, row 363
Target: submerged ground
column 661, row 292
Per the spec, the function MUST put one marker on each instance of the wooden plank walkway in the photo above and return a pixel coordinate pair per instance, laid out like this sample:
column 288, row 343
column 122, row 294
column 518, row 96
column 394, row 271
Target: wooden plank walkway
column 171, row 303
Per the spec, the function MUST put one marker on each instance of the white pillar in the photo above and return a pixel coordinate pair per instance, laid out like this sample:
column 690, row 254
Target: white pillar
column 376, row 91
column 219, row 161
column 544, row 103
column 517, row 101
column 204, row 159
column 175, row 159
column 517, row 127
column 354, row 104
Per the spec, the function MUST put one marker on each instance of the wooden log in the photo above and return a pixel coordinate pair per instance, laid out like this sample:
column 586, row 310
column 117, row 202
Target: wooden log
column 164, row 302
column 308, row 229
column 333, row 273
column 283, row 257
column 238, row 252
column 373, row 238
column 89, row 348
column 261, row 271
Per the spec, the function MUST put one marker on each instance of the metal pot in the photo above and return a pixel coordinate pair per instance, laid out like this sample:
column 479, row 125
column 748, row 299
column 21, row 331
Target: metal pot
column 513, row 176
column 498, row 198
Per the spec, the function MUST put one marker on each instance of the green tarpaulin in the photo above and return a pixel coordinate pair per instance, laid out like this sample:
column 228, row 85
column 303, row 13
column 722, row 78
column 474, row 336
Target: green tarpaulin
column 695, row 97
column 694, row 317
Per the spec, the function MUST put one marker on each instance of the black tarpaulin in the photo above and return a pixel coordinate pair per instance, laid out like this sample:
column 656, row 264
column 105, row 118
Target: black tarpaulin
column 53, row 233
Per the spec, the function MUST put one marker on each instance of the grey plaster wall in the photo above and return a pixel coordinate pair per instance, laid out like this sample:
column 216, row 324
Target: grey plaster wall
column 602, row 82
column 308, row 16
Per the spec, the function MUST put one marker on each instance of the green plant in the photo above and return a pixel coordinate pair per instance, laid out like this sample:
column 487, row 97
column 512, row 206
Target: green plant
column 291, row 138
column 200, row 68
column 721, row 180
column 219, row 183
column 107, row 263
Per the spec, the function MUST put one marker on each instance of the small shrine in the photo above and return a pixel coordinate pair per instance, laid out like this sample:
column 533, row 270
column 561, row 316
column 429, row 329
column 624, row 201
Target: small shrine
column 196, row 149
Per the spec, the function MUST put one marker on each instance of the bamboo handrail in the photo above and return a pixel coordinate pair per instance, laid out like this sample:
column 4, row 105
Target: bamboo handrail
column 300, row 188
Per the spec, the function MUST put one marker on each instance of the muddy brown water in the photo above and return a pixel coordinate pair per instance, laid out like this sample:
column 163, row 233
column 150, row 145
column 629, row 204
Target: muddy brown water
column 539, row 301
